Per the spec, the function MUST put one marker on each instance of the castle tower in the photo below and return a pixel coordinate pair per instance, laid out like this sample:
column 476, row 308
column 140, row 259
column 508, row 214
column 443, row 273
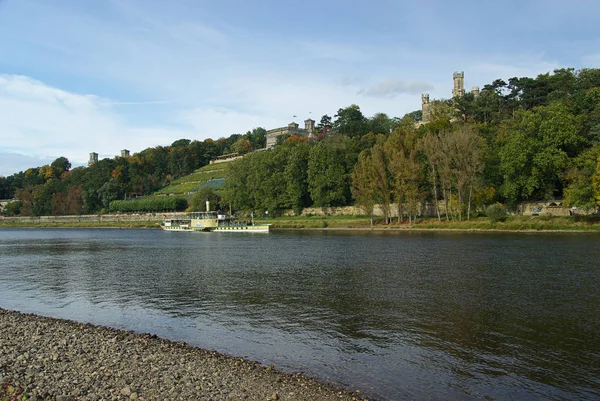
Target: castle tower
column 93, row 159
column 475, row 91
column 309, row 126
column 125, row 153
column 459, row 84
column 425, row 108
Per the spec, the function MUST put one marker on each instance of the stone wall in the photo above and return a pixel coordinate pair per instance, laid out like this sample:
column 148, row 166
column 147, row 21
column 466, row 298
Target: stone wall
column 549, row 208
column 98, row 218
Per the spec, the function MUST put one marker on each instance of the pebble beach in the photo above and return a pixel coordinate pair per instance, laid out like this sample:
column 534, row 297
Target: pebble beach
column 43, row 358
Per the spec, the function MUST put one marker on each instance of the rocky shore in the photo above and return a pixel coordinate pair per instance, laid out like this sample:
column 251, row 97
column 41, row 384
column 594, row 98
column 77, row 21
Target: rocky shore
column 50, row 359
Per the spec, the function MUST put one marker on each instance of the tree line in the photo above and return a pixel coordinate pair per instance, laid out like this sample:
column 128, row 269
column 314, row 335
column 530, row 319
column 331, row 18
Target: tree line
column 56, row 189
column 528, row 139
column 521, row 139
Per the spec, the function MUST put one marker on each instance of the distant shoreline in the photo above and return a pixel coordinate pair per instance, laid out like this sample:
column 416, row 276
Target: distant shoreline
column 299, row 227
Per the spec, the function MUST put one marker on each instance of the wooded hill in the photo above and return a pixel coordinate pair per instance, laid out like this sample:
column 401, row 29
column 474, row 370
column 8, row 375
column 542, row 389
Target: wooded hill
column 521, row 139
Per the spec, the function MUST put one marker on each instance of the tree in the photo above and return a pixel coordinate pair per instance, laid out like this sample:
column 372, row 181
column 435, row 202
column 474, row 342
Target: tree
column 242, row 146
column 325, row 124
column 380, row 123
column 327, row 178
column 596, row 184
column 257, row 137
column 296, row 175
column 198, row 202
column 61, row 164
column 12, row 208
column 111, row 190
column 535, row 151
column 429, row 144
column 362, row 183
column 466, row 153
column 350, row 121
column 405, row 170
column 580, row 189
column 181, row 142
column 381, row 181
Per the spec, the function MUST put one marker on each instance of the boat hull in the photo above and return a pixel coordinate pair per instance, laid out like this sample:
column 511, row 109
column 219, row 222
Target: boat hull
column 258, row 228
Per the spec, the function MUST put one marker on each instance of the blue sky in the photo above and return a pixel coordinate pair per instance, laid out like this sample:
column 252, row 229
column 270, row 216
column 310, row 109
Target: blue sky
column 103, row 75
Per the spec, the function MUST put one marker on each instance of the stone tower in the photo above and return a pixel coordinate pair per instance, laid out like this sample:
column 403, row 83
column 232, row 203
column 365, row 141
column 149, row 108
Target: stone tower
column 93, row 159
column 309, row 126
column 425, row 108
column 459, row 84
column 124, row 153
column 475, row 91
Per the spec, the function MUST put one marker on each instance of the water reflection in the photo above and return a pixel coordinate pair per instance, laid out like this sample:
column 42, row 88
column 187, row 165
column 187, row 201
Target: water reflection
column 399, row 315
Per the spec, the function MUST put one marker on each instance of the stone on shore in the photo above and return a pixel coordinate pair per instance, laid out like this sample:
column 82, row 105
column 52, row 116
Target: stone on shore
column 53, row 359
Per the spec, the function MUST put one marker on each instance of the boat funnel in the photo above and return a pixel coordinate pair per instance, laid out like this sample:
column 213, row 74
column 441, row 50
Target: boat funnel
column 207, row 206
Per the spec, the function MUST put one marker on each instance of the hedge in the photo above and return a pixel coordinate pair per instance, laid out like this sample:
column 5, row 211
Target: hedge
column 148, row 205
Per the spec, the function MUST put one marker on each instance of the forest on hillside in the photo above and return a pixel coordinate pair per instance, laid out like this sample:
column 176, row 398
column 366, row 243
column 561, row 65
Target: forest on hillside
column 521, row 139
column 525, row 139
column 56, row 189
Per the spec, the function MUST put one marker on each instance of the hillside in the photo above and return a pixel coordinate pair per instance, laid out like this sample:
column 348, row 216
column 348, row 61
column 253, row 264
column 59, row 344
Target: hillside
column 210, row 175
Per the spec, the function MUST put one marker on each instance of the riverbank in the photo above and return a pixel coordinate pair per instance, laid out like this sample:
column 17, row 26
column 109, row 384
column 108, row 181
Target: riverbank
column 52, row 359
column 513, row 223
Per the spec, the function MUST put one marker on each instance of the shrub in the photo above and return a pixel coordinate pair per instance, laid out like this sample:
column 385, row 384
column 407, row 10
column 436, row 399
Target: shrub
column 496, row 212
column 148, row 205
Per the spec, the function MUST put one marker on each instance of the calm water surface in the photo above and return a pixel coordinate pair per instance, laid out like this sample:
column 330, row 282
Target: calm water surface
column 399, row 316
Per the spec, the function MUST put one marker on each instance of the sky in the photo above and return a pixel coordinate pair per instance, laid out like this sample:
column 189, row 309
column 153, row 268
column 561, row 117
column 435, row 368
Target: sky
column 104, row 75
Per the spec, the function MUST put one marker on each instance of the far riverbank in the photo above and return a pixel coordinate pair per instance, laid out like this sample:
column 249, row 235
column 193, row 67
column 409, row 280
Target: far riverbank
column 152, row 221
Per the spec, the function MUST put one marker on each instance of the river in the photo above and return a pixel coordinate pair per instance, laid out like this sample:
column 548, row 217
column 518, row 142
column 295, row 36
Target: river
column 430, row 315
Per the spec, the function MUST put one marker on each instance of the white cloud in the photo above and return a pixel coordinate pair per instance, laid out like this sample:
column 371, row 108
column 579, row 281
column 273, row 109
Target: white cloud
column 45, row 122
column 390, row 88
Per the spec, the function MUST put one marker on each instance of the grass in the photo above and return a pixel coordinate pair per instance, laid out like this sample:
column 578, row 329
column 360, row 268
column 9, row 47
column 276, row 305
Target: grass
column 80, row 224
column 513, row 223
column 191, row 182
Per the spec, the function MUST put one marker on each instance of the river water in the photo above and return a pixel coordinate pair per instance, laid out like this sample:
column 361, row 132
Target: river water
column 430, row 316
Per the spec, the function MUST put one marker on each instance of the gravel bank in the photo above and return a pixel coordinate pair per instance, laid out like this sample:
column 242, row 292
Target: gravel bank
column 52, row 359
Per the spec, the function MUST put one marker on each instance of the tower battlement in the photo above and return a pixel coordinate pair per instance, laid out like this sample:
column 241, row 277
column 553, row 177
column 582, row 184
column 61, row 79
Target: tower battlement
column 459, row 83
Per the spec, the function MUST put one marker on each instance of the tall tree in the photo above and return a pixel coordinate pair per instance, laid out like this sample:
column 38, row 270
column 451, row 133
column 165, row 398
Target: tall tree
column 535, row 151
column 405, row 170
column 363, row 177
column 350, row 121
column 381, row 178
column 327, row 179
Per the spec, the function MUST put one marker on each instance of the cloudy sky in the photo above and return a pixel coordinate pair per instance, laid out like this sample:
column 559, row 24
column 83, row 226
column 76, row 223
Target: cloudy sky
column 103, row 75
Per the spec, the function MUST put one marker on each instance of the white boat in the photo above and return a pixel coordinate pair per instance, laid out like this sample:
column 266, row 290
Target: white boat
column 212, row 221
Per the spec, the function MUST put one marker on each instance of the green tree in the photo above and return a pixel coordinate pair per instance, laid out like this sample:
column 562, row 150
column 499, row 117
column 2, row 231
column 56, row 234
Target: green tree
column 61, row 164
column 109, row 191
column 181, row 143
column 12, row 208
column 325, row 124
column 405, row 171
column 580, row 190
column 596, row 184
column 466, row 155
column 198, row 202
column 242, row 146
column 382, row 180
column 327, row 179
column 363, row 177
column 296, row 176
column 350, row 121
column 535, row 151
column 257, row 138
